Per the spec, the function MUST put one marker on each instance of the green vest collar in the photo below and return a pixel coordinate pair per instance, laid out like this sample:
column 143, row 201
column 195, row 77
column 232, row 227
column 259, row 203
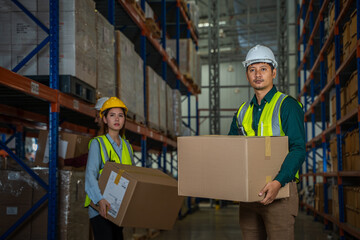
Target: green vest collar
column 267, row 97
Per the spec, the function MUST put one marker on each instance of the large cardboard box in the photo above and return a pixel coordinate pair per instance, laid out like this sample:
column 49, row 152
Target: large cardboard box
column 139, row 197
column 229, row 167
column 70, row 146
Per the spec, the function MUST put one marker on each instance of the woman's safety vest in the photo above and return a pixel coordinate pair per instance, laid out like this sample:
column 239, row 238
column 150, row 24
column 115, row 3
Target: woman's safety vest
column 270, row 120
column 108, row 153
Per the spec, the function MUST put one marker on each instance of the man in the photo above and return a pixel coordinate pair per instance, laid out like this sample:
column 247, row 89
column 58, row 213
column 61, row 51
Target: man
column 97, row 107
column 270, row 113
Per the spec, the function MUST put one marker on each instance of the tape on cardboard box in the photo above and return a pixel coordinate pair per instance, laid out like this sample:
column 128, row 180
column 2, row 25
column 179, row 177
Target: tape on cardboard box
column 267, row 148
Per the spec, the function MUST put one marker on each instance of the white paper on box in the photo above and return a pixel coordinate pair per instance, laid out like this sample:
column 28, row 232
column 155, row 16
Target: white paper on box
column 23, row 30
column 114, row 193
column 11, row 210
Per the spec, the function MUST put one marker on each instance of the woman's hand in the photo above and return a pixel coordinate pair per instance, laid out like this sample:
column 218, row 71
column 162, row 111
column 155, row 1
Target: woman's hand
column 104, row 207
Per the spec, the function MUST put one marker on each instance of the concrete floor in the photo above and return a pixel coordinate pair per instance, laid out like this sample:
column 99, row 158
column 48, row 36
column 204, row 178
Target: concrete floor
column 210, row 224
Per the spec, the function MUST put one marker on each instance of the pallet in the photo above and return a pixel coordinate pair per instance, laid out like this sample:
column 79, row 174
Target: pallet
column 189, row 78
column 139, row 10
column 70, row 85
column 153, row 27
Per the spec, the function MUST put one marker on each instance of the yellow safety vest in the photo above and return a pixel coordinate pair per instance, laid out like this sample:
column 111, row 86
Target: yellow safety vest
column 108, row 153
column 270, row 120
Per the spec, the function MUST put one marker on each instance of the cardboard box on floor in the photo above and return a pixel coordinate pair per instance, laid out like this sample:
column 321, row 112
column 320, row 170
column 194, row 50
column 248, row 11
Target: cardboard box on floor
column 229, row 167
column 70, row 146
column 140, row 197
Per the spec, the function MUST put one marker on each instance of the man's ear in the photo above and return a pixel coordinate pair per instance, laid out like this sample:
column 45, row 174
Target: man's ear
column 274, row 73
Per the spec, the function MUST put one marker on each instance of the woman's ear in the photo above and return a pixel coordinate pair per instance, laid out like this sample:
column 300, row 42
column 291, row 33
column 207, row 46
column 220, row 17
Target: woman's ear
column 104, row 119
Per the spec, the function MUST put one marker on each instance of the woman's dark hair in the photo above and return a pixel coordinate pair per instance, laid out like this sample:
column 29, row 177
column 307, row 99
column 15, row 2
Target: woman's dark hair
column 106, row 128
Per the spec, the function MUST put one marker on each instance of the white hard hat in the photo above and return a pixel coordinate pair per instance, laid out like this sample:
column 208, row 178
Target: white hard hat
column 258, row 54
column 100, row 102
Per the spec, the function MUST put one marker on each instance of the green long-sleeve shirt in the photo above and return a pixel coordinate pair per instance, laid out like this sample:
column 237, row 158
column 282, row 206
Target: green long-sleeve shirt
column 292, row 120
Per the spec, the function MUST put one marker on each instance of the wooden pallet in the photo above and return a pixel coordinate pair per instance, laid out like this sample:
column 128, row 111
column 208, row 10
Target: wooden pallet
column 153, row 27
column 139, row 10
column 189, row 78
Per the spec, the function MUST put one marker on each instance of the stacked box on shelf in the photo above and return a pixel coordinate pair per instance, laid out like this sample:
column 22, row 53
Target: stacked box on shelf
column 162, row 105
column 125, row 62
column 170, row 111
column 347, row 152
column 194, row 13
column 335, row 201
column 139, row 88
column 353, row 31
column 333, row 154
column 352, row 93
column 319, row 197
column 346, row 40
column 187, row 56
column 18, row 36
column 354, row 161
column 342, row 105
column 77, row 40
column 105, row 62
column 152, row 82
column 73, row 218
column 331, row 15
column 352, row 210
column 177, row 112
column 331, row 62
column 197, row 72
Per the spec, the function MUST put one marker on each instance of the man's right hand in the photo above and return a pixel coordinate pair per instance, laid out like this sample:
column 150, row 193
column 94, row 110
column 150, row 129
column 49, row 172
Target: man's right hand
column 104, row 207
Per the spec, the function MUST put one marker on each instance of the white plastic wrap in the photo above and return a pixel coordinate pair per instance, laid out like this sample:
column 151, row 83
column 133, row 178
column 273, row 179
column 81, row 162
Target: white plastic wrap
column 139, row 89
column 177, row 112
column 162, row 104
column 77, row 43
column 125, row 71
column 153, row 98
column 105, row 77
column 73, row 218
column 170, row 111
column 194, row 13
column 187, row 51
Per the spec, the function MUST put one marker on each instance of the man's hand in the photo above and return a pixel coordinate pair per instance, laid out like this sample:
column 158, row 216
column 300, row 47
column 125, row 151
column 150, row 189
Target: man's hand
column 270, row 191
column 104, row 207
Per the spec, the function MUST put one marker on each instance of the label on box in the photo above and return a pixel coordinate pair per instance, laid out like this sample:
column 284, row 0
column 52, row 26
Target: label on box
column 11, row 210
column 13, row 176
column 114, row 193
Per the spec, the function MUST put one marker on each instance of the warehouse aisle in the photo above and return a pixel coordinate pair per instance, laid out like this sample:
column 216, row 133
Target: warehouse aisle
column 208, row 224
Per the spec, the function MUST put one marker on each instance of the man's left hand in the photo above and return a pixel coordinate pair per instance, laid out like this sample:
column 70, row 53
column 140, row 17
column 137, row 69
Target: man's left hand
column 270, row 191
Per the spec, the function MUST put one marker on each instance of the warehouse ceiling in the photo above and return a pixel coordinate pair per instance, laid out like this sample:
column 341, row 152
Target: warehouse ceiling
column 242, row 24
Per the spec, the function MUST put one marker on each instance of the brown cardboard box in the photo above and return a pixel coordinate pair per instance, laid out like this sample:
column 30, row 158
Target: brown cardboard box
column 343, row 101
column 352, row 26
column 346, row 34
column 70, row 146
column 142, row 197
column 355, row 162
column 331, row 16
column 229, row 167
column 352, row 86
column 9, row 214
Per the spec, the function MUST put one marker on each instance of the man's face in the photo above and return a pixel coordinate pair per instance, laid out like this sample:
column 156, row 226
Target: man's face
column 260, row 76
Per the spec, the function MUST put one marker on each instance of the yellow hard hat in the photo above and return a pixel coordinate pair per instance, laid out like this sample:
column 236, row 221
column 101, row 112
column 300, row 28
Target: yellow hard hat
column 113, row 102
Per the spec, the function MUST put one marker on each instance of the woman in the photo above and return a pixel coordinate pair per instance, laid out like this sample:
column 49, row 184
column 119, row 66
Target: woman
column 109, row 147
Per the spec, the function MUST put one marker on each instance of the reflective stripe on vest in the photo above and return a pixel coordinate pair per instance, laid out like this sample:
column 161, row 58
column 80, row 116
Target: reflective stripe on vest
column 270, row 120
column 105, row 151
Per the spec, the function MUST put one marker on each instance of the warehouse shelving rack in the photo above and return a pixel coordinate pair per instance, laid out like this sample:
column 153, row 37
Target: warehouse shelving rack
column 40, row 106
column 315, row 93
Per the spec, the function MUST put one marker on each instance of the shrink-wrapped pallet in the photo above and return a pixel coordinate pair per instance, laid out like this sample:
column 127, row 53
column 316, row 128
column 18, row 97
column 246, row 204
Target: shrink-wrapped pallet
column 125, row 71
column 77, row 42
column 153, row 79
column 170, row 111
column 187, row 50
column 105, row 77
column 177, row 112
column 139, row 89
column 73, row 218
column 162, row 104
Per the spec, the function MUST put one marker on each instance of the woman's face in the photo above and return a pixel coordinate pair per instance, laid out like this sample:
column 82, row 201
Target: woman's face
column 115, row 119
